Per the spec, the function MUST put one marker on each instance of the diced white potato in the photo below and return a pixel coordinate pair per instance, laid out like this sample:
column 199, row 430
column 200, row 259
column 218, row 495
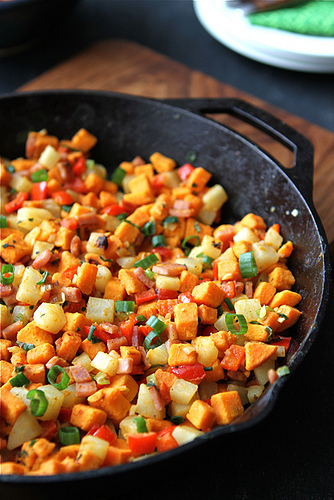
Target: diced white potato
column 49, row 157
column 207, row 216
column 194, row 252
column 193, row 265
column 145, row 405
column 94, row 445
column 110, row 221
column 206, row 389
column 102, row 277
column 207, row 352
column 265, row 255
column 70, row 397
column 39, row 246
column 184, row 434
column 105, row 363
column 243, row 392
column 172, row 179
column 95, row 243
column 126, row 181
column 273, row 238
column 239, row 296
column 32, row 236
column 246, row 234
column 25, row 428
column 167, row 282
column 97, row 169
column 18, row 274
column 248, row 308
column 126, row 262
column 261, row 372
column 30, row 217
column 20, row 183
column 53, row 207
column 50, row 317
column 220, row 324
column 127, row 426
column 23, row 313
column 28, row 291
column 21, row 393
column 3, row 199
column 280, row 353
column 85, row 360
column 254, row 392
column 99, row 310
column 182, row 391
column 55, row 400
column 158, row 356
column 215, row 197
column 210, row 248
column 5, row 316
column 178, row 409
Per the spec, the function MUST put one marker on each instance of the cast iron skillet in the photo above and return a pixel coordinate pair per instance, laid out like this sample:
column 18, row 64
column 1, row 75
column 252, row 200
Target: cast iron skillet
column 127, row 126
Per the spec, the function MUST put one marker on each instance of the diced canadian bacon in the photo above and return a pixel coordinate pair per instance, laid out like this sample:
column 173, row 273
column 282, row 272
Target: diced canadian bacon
column 171, row 330
column 85, row 389
column 6, row 290
column 157, row 399
column 88, row 219
column 42, row 259
column 124, row 366
column 169, row 269
column 72, row 293
column 115, row 344
column 239, row 287
column 137, row 161
column 109, row 327
column 142, row 351
column 10, row 332
column 80, row 373
column 75, row 246
column 249, row 289
column 140, row 274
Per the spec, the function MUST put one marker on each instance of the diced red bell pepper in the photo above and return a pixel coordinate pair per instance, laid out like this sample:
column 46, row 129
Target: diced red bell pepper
column 192, row 373
column 50, row 429
column 113, row 210
column 164, row 294
column 99, row 333
column 165, row 440
column 233, row 357
column 17, row 203
column 282, row 341
column 145, row 296
column 185, row 171
column 142, row 443
column 186, row 297
column 63, row 198
column 39, row 191
column 79, row 167
column 163, row 251
column 126, row 327
column 209, row 330
column 229, row 288
column 145, row 329
column 70, row 223
column 77, row 185
column 215, row 270
column 64, row 414
column 102, row 432
column 158, row 181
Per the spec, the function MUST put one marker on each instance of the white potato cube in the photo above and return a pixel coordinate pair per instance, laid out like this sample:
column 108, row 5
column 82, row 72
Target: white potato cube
column 127, row 426
column 261, row 372
column 70, row 397
column 25, row 428
column 126, row 262
column 273, row 238
column 184, row 434
column 5, row 316
column 178, row 409
column 23, row 313
column 246, row 234
column 215, row 197
column 264, row 255
column 55, row 400
column 18, row 274
column 50, row 317
column 248, row 308
column 102, row 277
column 94, row 445
column 207, row 216
column 206, row 389
column 182, row 391
column 28, row 291
column 39, row 246
column 105, row 363
column 145, row 405
column 243, row 392
column 95, row 243
column 85, row 360
column 49, row 157
column 207, row 352
column 254, row 392
column 32, row 236
column 30, row 217
column 210, row 248
column 158, row 356
column 220, row 324
column 99, row 310
column 193, row 265
column 20, row 183
column 167, row 282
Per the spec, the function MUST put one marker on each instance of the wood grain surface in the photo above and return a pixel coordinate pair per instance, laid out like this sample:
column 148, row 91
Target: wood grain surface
column 123, row 66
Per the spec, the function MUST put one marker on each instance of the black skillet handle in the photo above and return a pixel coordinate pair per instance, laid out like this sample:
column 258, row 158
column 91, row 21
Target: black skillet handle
column 301, row 173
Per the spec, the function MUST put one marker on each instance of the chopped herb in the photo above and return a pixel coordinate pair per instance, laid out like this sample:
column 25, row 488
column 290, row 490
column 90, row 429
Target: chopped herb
column 45, row 275
column 197, row 227
column 10, row 169
column 171, row 219
column 191, row 156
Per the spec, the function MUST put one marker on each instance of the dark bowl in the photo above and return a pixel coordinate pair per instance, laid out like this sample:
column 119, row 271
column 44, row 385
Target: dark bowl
column 24, row 23
column 127, row 126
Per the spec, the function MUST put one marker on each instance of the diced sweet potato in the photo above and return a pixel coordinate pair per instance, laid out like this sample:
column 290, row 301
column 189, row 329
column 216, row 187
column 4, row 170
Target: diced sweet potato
column 229, row 270
column 285, row 297
column 11, row 406
column 86, row 278
column 41, row 353
column 118, row 453
column 114, row 289
column 186, row 320
column 14, row 248
column 293, row 315
column 76, row 322
column 188, row 281
column 264, row 292
column 281, row 279
column 111, row 401
column 84, row 416
column 126, row 384
column 208, row 293
column 32, row 334
column 257, row 353
column 201, row 415
column 130, row 281
column 227, row 406
column 208, row 315
column 68, row 344
column 182, row 354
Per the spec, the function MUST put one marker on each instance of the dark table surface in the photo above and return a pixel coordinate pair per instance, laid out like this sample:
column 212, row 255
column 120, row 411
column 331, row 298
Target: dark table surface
column 290, row 455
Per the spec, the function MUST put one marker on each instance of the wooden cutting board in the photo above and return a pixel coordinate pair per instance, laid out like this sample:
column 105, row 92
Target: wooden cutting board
column 123, row 66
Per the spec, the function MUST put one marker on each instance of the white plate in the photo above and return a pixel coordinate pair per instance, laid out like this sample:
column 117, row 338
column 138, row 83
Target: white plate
column 284, row 49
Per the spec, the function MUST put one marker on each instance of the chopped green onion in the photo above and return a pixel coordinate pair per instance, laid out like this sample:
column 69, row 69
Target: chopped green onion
column 270, row 333
column 185, row 241
column 206, row 259
column 147, row 261
column 155, row 323
column 91, row 337
column 229, row 319
column 66, row 208
column 118, row 176
column 191, row 156
column 25, row 346
column 132, row 224
column 208, row 368
column 121, row 216
column 90, row 163
column 52, row 377
column 3, row 222
column 247, row 264
column 158, row 241
column 197, row 227
column 7, row 274
column 140, row 424
column 10, row 169
column 283, row 370
column 150, row 337
column 39, row 404
column 69, row 435
column 171, row 219
column 149, row 228
column 124, row 305
column 140, row 318
column 39, row 175
column 229, row 303
column 19, row 380
column 45, row 275
column 177, row 420
column 150, row 274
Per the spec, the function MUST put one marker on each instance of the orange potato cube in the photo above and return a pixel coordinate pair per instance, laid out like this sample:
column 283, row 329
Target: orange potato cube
column 208, row 293
column 186, row 320
column 201, row 415
column 227, row 406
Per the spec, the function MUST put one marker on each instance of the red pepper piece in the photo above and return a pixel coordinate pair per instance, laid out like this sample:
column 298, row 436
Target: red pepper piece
column 63, row 198
column 79, row 167
column 64, row 414
column 77, row 185
column 102, row 432
column 192, row 373
column 39, row 191
column 100, row 334
column 145, row 296
column 17, row 203
column 185, row 171
column 233, row 357
column 113, row 210
column 186, row 297
column 163, row 251
column 282, row 341
column 164, row 294
column 165, row 440
column 142, row 443
column 127, row 327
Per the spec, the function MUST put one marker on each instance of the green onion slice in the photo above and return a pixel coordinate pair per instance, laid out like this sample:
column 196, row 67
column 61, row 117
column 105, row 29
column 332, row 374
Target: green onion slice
column 19, row 380
column 150, row 274
column 45, row 275
column 25, row 345
column 10, row 169
column 124, row 305
column 150, row 337
column 247, row 264
column 140, row 424
column 185, row 241
column 176, row 420
column 158, row 241
column 118, row 176
column 140, row 318
column 229, row 303
column 229, row 319
column 66, row 208
column 171, row 219
column 155, row 323
column 3, row 222
column 283, row 370
column 7, row 274
column 39, row 175
column 147, row 261
column 90, row 163
column 69, row 435
column 52, row 377
column 149, row 228
column 39, row 403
